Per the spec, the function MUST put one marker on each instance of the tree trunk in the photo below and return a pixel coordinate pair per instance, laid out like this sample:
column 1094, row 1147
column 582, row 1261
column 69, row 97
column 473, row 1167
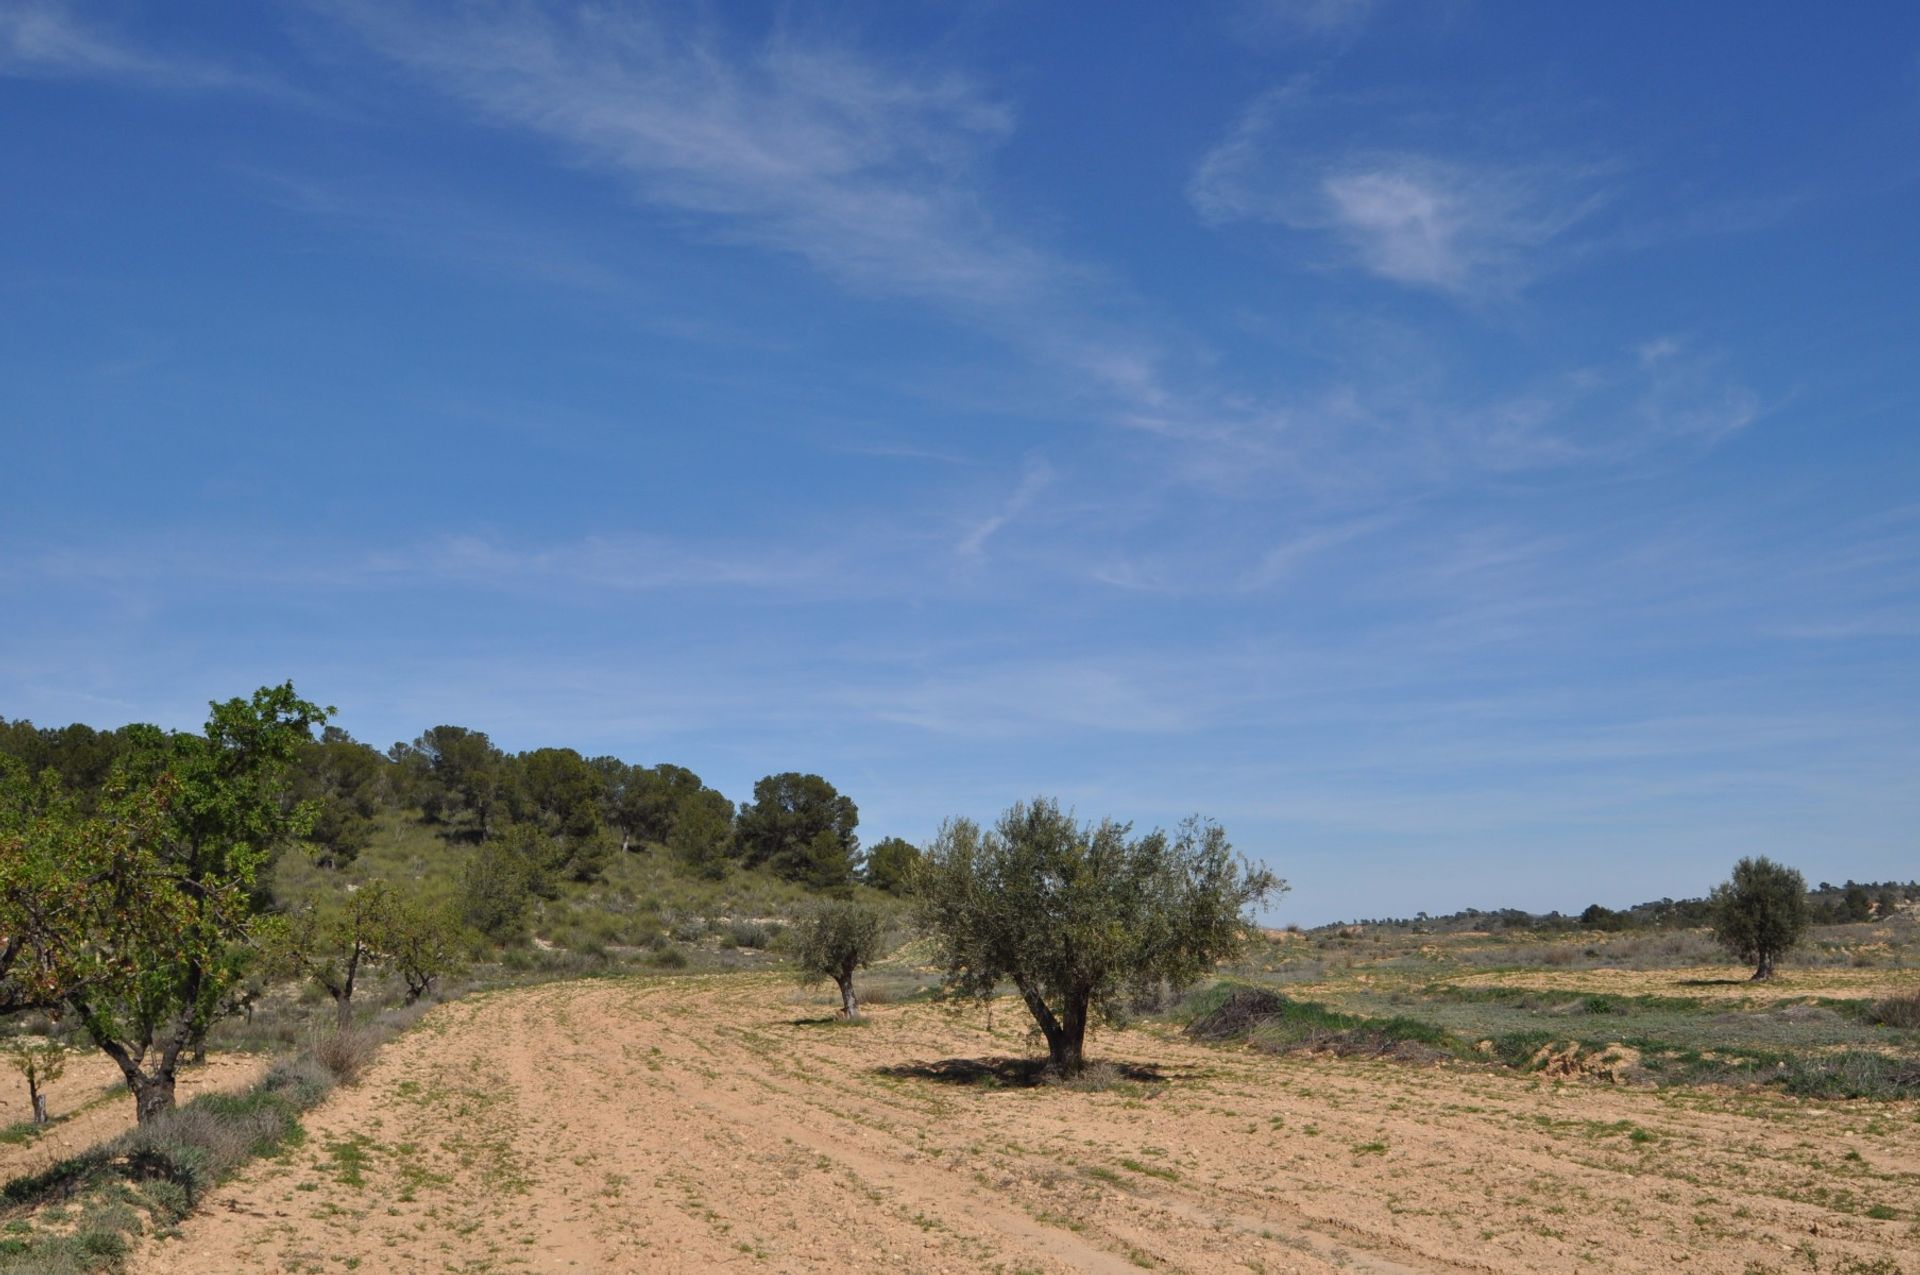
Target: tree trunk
column 152, row 1095
column 849, row 1003
column 343, row 992
column 1766, row 967
column 39, row 1103
column 1069, row 1055
column 152, row 1091
column 1066, row 1034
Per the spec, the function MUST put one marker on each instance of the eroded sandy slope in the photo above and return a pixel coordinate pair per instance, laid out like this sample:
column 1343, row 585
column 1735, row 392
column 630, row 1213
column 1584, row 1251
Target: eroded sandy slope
column 690, row 1124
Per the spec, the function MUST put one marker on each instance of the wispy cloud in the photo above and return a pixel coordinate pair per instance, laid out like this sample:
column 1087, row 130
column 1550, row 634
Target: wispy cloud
column 47, row 39
column 1288, row 557
column 862, row 171
column 1372, row 436
column 602, row 564
column 1303, row 19
column 1035, row 477
column 1466, row 225
column 440, row 227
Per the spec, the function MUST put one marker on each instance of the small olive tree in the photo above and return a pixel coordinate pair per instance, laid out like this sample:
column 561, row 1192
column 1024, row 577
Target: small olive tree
column 1079, row 917
column 1760, row 912
column 833, row 941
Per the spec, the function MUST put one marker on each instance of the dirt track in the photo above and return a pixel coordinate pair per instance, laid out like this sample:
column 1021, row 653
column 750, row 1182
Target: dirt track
column 689, row 1124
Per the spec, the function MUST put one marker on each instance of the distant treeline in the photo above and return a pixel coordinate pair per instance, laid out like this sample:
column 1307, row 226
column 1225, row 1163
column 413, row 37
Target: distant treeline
column 1827, row 904
column 571, row 811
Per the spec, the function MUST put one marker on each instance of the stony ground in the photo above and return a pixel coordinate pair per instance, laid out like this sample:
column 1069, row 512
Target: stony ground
column 687, row 1124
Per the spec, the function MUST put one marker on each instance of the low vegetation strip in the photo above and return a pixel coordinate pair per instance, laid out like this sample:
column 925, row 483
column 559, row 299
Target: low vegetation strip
column 83, row 1213
column 1269, row 1021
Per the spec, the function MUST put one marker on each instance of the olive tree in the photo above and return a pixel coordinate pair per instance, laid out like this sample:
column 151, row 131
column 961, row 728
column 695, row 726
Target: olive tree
column 1760, row 912
column 833, row 941
column 1078, row 917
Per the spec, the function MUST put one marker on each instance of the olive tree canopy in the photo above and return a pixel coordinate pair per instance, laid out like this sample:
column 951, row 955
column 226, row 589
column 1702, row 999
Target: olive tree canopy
column 1760, row 912
column 836, row 939
column 1077, row 917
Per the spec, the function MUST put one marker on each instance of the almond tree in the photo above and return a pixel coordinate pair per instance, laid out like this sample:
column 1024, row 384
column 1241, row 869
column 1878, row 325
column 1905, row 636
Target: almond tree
column 424, row 942
column 163, row 881
column 332, row 943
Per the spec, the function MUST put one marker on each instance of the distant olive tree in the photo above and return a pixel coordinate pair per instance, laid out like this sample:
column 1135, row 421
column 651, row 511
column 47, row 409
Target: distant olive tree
column 833, row 941
column 1760, row 912
column 1080, row 917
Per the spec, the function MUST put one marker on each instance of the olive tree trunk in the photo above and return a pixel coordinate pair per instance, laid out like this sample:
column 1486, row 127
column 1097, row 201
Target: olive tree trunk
column 849, row 1003
column 1066, row 1032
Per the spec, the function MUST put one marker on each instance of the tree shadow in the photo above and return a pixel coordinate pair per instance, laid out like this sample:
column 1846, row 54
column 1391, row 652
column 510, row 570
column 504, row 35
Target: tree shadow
column 826, row 1020
column 1713, row 982
column 1007, row 1073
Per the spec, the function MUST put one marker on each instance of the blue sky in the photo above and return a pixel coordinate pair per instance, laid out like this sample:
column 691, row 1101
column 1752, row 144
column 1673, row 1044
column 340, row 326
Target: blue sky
column 1470, row 449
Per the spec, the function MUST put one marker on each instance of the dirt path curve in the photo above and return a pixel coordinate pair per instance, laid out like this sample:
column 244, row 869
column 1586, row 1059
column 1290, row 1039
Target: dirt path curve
column 685, row 1124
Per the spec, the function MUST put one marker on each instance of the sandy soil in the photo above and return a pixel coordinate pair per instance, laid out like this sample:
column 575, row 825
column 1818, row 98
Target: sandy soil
column 1711, row 982
column 90, row 1104
column 705, row 1124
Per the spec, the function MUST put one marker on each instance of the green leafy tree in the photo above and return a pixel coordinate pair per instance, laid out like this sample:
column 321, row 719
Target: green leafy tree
column 40, row 1062
column 833, row 941
column 48, row 850
column 700, row 834
column 1080, row 918
column 345, row 781
column 424, row 943
column 83, row 758
column 1760, row 912
column 891, row 864
column 801, row 827
column 497, row 890
column 1598, row 917
column 334, row 942
column 642, row 804
column 462, row 770
column 559, row 789
column 182, row 844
